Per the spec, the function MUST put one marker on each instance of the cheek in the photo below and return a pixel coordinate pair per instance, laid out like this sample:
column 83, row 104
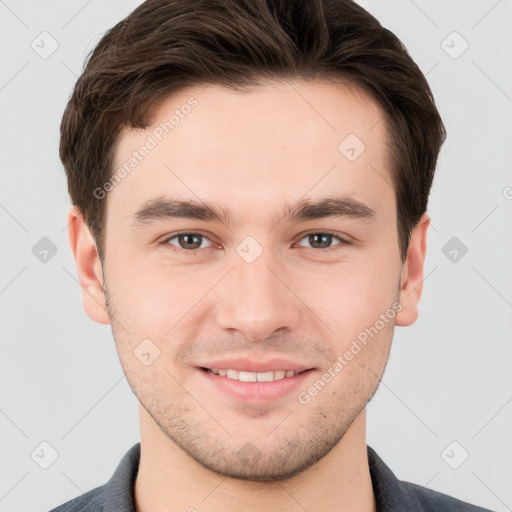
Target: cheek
column 153, row 299
column 349, row 298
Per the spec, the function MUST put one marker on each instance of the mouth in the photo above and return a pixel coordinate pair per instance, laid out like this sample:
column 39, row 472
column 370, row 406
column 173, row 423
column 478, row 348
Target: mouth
column 246, row 376
column 265, row 386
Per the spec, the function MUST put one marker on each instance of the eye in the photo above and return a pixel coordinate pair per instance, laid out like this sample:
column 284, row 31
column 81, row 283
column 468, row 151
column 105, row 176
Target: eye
column 322, row 240
column 189, row 242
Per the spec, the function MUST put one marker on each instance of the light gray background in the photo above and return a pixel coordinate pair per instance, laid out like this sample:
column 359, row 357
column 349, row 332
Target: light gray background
column 448, row 378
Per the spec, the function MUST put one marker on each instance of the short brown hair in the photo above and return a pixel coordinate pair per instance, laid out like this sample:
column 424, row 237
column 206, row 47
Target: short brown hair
column 164, row 46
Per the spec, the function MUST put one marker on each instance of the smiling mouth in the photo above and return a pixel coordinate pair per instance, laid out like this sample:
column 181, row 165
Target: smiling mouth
column 243, row 376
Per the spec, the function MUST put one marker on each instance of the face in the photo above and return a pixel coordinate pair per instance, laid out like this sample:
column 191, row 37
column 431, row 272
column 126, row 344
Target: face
column 283, row 277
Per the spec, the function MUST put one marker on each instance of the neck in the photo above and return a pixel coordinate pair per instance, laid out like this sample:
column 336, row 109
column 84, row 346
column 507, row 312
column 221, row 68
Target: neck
column 169, row 479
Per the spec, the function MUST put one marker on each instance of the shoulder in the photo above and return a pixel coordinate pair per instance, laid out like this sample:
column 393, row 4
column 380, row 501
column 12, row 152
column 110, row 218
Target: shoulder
column 392, row 494
column 434, row 501
column 114, row 496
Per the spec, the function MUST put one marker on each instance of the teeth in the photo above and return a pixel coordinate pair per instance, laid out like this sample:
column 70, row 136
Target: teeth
column 247, row 376
column 264, row 376
column 253, row 376
column 232, row 374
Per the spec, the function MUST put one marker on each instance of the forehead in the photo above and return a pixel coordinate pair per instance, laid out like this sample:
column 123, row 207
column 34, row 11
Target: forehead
column 255, row 147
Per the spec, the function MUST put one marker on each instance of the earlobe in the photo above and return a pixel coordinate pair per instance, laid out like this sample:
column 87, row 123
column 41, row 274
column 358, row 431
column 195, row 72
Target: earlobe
column 88, row 265
column 411, row 278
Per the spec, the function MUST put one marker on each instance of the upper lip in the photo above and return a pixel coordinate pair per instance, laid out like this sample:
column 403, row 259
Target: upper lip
column 251, row 365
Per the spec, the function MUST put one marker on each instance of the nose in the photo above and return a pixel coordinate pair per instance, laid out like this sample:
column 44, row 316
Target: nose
column 256, row 302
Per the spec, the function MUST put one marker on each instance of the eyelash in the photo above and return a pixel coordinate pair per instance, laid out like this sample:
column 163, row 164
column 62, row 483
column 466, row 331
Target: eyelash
column 194, row 251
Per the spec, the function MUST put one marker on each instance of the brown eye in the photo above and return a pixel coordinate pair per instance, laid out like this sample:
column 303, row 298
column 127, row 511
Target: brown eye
column 321, row 240
column 186, row 241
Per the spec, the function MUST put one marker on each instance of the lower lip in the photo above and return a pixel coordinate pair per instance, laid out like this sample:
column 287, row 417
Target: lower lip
column 257, row 392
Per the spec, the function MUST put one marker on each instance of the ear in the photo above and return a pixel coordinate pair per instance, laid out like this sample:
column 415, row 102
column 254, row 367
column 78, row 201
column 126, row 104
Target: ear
column 88, row 265
column 411, row 277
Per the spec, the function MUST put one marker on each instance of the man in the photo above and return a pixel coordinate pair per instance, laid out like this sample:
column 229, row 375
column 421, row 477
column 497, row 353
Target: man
column 250, row 183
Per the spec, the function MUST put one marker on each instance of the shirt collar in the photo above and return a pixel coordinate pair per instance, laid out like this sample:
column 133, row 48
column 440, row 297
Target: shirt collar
column 391, row 494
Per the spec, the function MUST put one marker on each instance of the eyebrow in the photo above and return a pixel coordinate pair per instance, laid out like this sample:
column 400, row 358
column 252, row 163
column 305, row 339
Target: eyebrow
column 162, row 208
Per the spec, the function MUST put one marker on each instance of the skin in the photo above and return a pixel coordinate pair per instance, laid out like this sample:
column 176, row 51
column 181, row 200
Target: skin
column 251, row 152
